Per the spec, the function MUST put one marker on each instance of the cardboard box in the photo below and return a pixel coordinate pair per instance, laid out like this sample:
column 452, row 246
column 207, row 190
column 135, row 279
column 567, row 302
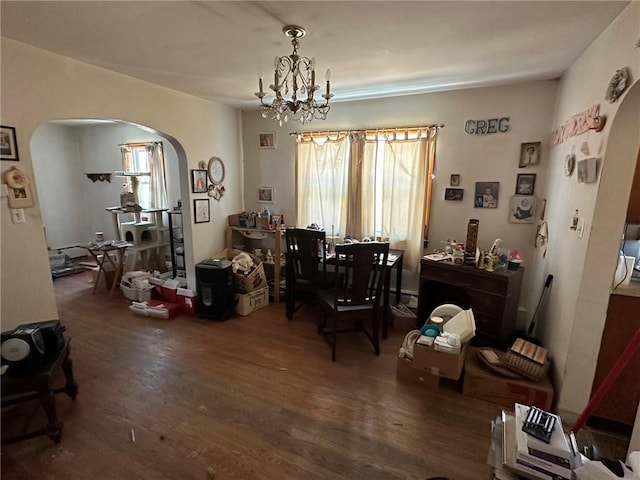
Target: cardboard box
column 263, row 222
column 238, row 219
column 256, row 280
column 480, row 382
column 250, row 302
column 448, row 365
column 403, row 322
column 406, row 373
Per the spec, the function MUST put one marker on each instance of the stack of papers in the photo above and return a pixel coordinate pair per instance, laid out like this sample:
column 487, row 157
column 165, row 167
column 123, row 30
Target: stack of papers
column 438, row 257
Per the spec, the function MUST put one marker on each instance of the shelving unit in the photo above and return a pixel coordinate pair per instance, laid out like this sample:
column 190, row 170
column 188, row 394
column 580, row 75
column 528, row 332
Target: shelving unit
column 278, row 265
column 176, row 241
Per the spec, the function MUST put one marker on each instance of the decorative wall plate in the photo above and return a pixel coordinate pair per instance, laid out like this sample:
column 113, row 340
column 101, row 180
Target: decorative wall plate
column 216, row 170
column 569, row 164
column 617, row 85
column 16, row 178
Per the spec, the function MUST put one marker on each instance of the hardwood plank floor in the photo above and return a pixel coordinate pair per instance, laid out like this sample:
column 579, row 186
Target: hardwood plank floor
column 254, row 397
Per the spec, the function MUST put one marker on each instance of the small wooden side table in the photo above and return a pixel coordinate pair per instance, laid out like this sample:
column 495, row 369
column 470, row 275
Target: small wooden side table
column 102, row 256
column 20, row 387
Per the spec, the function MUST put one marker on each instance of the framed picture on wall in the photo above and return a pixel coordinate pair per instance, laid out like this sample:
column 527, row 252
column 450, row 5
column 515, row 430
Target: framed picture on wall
column 8, row 145
column 201, row 210
column 453, row 194
column 525, row 184
column 455, row 180
column 522, row 209
column 199, row 181
column 267, row 140
column 265, row 195
column 486, row 195
column 530, row 154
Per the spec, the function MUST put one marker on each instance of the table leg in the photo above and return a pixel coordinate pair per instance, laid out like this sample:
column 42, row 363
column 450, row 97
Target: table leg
column 386, row 310
column 54, row 426
column 399, row 269
column 71, row 387
column 100, row 263
column 117, row 270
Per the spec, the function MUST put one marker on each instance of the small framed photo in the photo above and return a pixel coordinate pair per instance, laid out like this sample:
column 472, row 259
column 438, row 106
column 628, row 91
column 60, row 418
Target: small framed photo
column 587, row 170
column 453, row 194
column 529, row 154
column 267, row 140
column 20, row 197
column 276, row 222
column 486, row 195
column 199, row 181
column 265, row 195
column 455, row 180
column 201, row 210
column 525, row 184
column 522, row 209
column 8, row 144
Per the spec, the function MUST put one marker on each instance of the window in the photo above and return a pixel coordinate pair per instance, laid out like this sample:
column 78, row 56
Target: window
column 368, row 184
column 143, row 164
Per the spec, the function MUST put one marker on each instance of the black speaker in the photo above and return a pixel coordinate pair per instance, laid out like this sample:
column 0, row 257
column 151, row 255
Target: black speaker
column 216, row 290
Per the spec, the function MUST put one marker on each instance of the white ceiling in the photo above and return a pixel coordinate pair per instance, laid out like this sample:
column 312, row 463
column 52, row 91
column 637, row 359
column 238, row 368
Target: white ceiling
column 216, row 49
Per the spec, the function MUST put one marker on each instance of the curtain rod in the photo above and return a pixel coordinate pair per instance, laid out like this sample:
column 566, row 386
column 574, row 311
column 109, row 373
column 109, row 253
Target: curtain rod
column 439, row 125
column 138, row 143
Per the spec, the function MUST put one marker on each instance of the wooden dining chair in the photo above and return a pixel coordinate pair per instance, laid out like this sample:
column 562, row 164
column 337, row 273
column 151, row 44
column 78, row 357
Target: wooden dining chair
column 305, row 268
column 354, row 300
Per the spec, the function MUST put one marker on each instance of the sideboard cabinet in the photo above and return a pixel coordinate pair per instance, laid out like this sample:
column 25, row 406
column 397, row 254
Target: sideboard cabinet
column 493, row 297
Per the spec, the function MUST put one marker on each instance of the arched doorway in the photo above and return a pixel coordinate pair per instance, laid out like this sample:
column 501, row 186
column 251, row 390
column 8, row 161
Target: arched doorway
column 67, row 155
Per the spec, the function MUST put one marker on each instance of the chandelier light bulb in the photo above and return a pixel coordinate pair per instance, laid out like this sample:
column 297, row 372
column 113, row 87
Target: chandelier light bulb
column 294, row 76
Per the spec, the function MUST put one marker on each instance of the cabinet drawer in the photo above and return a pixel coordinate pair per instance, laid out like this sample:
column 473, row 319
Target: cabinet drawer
column 491, row 305
column 488, row 283
column 466, row 277
column 486, row 324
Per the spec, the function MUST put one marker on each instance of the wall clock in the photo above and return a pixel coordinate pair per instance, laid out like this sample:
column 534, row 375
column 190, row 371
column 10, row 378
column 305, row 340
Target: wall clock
column 216, row 170
column 569, row 164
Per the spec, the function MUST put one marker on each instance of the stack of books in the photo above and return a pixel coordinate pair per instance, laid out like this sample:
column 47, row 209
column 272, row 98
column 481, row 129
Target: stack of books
column 514, row 453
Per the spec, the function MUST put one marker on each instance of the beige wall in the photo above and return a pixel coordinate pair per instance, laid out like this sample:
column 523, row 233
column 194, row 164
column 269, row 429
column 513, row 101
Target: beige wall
column 495, row 157
column 583, row 268
column 38, row 86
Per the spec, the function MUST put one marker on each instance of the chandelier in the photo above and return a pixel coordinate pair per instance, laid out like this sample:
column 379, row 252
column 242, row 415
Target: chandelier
column 295, row 75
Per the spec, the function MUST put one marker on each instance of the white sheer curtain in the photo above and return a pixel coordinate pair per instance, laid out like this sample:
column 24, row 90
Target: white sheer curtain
column 403, row 197
column 150, row 187
column 155, row 156
column 394, row 191
column 380, row 178
column 127, row 158
column 322, row 180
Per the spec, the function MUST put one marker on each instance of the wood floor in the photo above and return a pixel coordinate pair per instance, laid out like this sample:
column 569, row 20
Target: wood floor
column 254, row 397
